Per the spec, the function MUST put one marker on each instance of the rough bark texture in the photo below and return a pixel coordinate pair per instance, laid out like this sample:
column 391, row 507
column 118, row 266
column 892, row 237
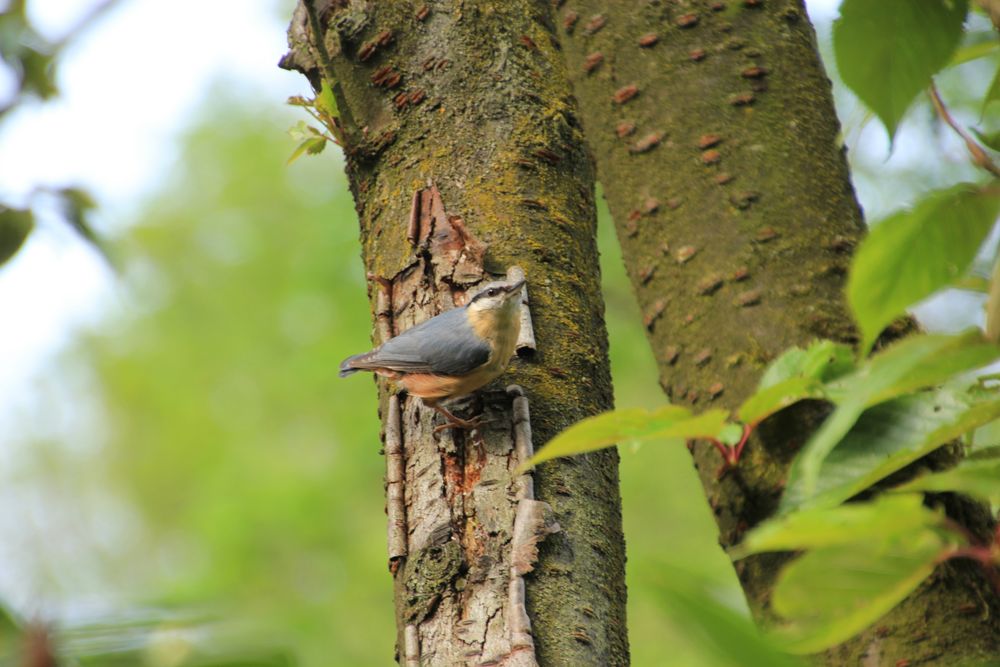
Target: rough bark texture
column 716, row 143
column 470, row 100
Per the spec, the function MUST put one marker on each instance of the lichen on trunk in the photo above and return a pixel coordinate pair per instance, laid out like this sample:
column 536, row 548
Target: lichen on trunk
column 457, row 120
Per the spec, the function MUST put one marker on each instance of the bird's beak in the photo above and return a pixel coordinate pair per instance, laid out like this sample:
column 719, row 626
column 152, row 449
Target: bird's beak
column 516, row 287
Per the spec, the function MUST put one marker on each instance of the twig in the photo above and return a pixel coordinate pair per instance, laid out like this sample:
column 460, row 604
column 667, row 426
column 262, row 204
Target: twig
column 74, row 205
column 324, row 123
column 738, row 449
column 979, row 155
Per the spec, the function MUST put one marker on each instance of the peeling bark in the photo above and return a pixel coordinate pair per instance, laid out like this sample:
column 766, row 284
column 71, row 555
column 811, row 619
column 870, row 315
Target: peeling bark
column 395, row 476
column 716, row 144
column 466, row 158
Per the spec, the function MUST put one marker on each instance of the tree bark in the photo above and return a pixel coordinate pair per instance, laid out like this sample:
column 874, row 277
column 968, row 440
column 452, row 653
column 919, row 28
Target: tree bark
column 465, row 157
column 717, row 148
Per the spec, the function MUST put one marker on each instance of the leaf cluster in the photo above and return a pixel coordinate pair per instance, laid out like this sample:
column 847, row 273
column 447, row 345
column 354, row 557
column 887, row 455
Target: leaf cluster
column 323, row 108
column 889, row 411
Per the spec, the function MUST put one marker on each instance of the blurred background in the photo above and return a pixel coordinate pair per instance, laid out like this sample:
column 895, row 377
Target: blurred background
column 183, row 478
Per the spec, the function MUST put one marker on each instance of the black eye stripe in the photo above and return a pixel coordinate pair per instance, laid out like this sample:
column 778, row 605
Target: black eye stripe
column 488, row 293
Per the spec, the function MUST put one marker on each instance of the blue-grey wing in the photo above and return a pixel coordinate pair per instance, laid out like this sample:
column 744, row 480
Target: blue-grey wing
column 443, row 345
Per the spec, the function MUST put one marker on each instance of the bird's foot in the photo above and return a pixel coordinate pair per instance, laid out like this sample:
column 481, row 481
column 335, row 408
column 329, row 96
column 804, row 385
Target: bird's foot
column 464, row 424
column 453, row 421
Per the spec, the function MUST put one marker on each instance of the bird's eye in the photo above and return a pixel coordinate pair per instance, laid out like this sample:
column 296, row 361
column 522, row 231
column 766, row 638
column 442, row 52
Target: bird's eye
column 493, row 291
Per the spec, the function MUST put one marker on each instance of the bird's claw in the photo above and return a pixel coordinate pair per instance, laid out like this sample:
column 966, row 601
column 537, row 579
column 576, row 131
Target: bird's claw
column 464, row 424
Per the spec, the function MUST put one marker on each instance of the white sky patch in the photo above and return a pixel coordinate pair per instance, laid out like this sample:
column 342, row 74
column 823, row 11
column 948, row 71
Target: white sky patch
column 128, row 87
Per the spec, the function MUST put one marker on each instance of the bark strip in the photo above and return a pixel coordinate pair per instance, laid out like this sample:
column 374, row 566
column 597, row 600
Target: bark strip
column 394, row 494
column 412, row 647
column 526, row 338
column 532, row 524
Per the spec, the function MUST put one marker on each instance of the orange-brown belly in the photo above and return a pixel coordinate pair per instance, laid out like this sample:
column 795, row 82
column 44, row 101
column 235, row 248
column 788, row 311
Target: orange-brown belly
column 433, row 388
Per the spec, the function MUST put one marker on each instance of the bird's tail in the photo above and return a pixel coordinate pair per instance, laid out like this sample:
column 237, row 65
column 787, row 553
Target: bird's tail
column 347, row 365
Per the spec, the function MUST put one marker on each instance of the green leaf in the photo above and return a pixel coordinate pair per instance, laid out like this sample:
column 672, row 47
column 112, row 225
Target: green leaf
column 7, row 623
column 777, row 397
column 888, row 50
column 914, row 363
column 316, row 145
column 10, row 637
column 972, row 283
column 984, row 438
column 326, row 102
column 15, row 225
column 985, row 454
column 299, row 131
column 796, row 375
column 992, row 95
column 825, row 527
column 864, row 559
column 833, row 593
column 991, row 329
column 311, row 146
column 912, row 254
column 824, row 360
column 886, row 439
column 38, row 73
column 991, row 140
column 76, row 207
column 636, row 424
column 975, row 51
column 975, row 478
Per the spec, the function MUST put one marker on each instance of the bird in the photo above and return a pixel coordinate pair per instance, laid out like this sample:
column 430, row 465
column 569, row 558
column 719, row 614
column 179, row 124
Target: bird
column 452, row 354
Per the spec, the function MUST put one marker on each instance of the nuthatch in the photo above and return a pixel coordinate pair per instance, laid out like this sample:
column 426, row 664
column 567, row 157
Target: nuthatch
column 453, row 354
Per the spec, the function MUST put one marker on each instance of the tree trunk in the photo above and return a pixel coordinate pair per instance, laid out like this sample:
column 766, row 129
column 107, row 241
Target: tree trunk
column 716, row 144
column 465, row 157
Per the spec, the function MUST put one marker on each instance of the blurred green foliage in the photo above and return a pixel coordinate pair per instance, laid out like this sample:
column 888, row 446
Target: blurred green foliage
column 254, row 468
column 227, row 423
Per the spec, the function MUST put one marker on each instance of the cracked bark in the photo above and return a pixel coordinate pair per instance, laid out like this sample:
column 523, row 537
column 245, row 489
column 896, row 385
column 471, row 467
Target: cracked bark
column 465, row 158
column 716, row 144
